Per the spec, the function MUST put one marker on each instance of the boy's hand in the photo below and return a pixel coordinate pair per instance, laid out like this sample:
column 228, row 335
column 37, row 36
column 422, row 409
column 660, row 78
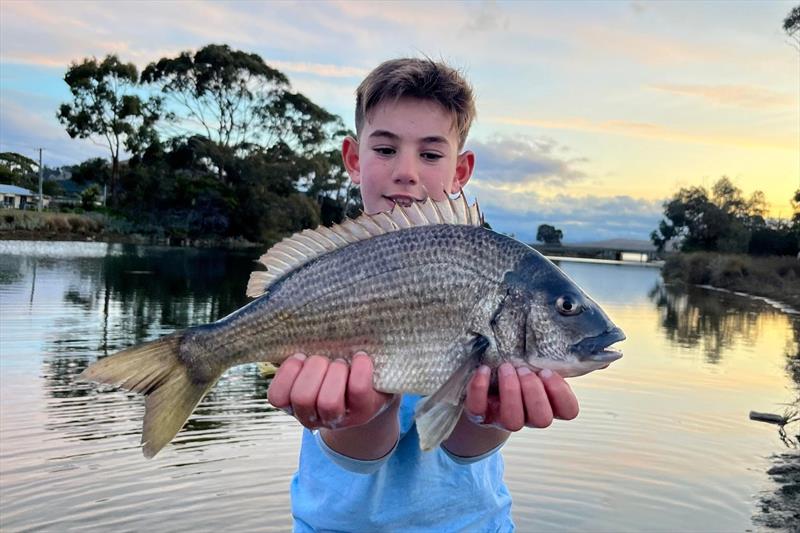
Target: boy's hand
column 524, row 399
column 329, row 394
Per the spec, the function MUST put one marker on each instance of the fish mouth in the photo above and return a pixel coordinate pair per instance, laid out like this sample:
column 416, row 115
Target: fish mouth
column 403, row 200
column 596, row 348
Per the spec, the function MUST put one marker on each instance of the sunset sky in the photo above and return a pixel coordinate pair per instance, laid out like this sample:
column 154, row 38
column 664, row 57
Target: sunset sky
column 590, row 114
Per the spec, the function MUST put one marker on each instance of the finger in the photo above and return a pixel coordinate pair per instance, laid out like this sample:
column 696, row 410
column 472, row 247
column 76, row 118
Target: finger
column 512, row 412
column 330, row 400
column 281, row 384
column 306, row 388
column 363, row 401
column 562, row 399
column 477, row 400
column 538, row 412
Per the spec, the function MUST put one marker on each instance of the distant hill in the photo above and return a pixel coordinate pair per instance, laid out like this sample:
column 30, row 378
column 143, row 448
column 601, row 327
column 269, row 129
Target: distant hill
column 629, row 245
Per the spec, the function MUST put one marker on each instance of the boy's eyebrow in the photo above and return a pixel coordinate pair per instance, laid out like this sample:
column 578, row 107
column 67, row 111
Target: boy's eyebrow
column 435, row 139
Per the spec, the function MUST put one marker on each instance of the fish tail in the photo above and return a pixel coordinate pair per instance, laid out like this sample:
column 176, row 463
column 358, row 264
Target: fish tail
column 155, row 370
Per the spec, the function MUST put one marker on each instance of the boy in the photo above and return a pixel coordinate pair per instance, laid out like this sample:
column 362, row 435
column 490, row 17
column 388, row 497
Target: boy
column 363, row 470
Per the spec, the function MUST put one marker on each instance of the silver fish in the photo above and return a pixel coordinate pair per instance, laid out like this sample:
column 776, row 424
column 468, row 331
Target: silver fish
column 427, row 291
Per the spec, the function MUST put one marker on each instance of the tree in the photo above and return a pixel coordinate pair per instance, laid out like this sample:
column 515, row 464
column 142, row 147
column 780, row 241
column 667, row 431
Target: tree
column 89, row 196
column 238, row 102
column 104, row 106
column 549, row 234
column 791, row 25
column 16, row 169
column 724, row 221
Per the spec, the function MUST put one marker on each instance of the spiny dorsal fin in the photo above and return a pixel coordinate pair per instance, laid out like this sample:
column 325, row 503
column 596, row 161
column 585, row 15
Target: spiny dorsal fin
column 297, row 250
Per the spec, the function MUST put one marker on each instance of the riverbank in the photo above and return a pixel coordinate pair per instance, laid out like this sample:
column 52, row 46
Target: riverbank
column 774, row 277
column 17, row 225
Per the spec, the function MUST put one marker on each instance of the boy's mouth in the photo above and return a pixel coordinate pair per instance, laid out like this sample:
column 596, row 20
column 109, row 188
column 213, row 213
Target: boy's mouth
column 402, row 199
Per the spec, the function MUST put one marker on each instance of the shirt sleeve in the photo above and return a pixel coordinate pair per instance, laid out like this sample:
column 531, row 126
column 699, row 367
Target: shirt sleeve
column 469, row 460
column 350, row 464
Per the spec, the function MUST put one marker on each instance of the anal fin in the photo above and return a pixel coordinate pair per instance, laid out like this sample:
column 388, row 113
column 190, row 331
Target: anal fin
column 437, row 414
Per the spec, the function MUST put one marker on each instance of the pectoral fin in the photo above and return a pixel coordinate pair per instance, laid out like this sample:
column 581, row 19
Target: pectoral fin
column 437, row 414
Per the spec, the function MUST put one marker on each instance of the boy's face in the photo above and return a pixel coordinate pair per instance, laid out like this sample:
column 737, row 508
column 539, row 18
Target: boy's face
column 408, row 150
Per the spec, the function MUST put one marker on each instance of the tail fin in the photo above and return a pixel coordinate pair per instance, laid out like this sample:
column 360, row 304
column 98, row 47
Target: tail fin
column 154, row 369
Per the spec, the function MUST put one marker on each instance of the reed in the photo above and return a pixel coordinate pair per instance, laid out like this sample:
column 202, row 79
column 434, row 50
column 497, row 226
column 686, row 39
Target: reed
column 775, row 277
column 82, row 224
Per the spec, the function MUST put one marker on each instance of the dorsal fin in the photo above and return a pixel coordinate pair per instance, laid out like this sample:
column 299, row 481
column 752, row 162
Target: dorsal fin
column 297, row 250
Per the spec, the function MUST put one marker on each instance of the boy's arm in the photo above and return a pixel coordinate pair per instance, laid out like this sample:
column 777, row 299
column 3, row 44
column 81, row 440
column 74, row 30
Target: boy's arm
column 524, row 399
column 324, row 394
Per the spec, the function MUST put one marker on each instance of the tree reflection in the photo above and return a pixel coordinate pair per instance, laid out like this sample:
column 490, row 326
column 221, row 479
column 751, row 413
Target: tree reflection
column 711, row 321
column 120, row 300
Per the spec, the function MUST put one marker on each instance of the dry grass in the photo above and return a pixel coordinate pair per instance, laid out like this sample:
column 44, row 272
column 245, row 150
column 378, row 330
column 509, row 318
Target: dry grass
column 776, row 277
column 17, row 220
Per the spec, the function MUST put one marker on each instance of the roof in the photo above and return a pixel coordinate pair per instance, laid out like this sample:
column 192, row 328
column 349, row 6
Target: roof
column 13, row 189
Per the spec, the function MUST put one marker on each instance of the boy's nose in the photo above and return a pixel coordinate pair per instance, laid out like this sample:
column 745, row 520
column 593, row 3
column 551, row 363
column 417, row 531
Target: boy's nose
column 405, row 171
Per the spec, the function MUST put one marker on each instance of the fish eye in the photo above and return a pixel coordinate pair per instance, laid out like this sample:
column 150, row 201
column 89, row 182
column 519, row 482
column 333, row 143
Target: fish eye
column 568, row 305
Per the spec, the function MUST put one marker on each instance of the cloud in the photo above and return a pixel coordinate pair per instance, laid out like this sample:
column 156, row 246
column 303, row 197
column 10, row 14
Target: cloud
column 24, row 132
column 489, row 17
column 524, row 160
column 649, row 130
column 319, row 69
column 581, row 218
column 748, row 96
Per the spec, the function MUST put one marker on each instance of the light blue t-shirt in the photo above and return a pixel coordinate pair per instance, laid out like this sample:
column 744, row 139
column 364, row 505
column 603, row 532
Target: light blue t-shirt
column 408, row 490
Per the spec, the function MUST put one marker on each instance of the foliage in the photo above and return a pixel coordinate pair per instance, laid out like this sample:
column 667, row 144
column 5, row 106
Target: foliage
column 549, row 234
column 89, row 197
column 773, row 277
column 16, row 169
column 104, row 105
column 239, row 104
column 95, row 170
column 26, row 220
column 791, row 25
column 235, row 153
column 724, row 221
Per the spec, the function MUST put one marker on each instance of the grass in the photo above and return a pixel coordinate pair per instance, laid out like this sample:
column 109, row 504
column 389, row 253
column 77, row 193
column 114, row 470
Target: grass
column 775, row 277
column 15, row 220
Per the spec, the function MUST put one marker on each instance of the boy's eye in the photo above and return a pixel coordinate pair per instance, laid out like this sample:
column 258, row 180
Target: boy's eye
column 431, row 156
column 384, row 150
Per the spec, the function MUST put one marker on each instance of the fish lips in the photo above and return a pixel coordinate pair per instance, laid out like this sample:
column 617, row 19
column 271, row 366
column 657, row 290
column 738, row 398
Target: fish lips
column 596, row 348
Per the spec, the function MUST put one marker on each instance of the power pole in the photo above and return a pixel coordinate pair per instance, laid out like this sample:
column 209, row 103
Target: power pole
column 41, row 199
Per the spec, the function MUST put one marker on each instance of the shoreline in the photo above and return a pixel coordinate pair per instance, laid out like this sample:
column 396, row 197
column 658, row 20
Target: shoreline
column 772, row 279
column 233, row 243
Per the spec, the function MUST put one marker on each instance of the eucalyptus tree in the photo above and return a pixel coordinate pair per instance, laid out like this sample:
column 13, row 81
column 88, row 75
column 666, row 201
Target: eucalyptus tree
column 105, row 105
column 791, row 25
column 239, row 103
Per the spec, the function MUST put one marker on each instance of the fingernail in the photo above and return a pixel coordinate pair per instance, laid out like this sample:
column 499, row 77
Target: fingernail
column 505, row 369
column 484, row 370
column 340, row 360
column 523, row 371
column 475, row 419
column 288, row 410
column 546, row 373
column 300, row 356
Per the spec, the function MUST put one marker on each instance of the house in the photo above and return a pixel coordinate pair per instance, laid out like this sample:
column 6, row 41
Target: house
column 20, row 198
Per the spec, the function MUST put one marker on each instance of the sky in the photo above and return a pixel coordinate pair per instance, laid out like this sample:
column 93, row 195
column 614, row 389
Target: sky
column 590, row 114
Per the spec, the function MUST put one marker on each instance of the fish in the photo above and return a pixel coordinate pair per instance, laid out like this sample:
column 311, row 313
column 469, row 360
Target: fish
column 425, row 289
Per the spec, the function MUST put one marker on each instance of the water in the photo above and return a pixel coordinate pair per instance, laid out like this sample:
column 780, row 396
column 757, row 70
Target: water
column 663, row 441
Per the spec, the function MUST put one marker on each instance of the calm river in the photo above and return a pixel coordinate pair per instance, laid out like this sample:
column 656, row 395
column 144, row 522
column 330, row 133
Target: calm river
column 663, row 441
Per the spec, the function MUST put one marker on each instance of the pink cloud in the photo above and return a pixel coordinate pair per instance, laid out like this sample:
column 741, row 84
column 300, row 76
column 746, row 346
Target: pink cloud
column 733, row 95
column 648, row 130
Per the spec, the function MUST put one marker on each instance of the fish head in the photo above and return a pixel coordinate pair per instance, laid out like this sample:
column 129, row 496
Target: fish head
column 566, row 331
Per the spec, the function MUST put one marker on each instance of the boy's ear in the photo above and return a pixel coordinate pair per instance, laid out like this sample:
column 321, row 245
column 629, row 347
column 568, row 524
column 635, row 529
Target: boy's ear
column 350, row 159
column 465, row 164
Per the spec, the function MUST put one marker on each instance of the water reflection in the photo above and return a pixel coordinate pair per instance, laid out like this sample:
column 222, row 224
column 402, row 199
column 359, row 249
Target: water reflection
column 64, row 307
column 712, row 322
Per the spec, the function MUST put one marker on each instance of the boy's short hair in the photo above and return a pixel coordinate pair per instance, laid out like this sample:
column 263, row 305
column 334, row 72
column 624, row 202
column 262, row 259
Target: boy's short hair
column 418, row 78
